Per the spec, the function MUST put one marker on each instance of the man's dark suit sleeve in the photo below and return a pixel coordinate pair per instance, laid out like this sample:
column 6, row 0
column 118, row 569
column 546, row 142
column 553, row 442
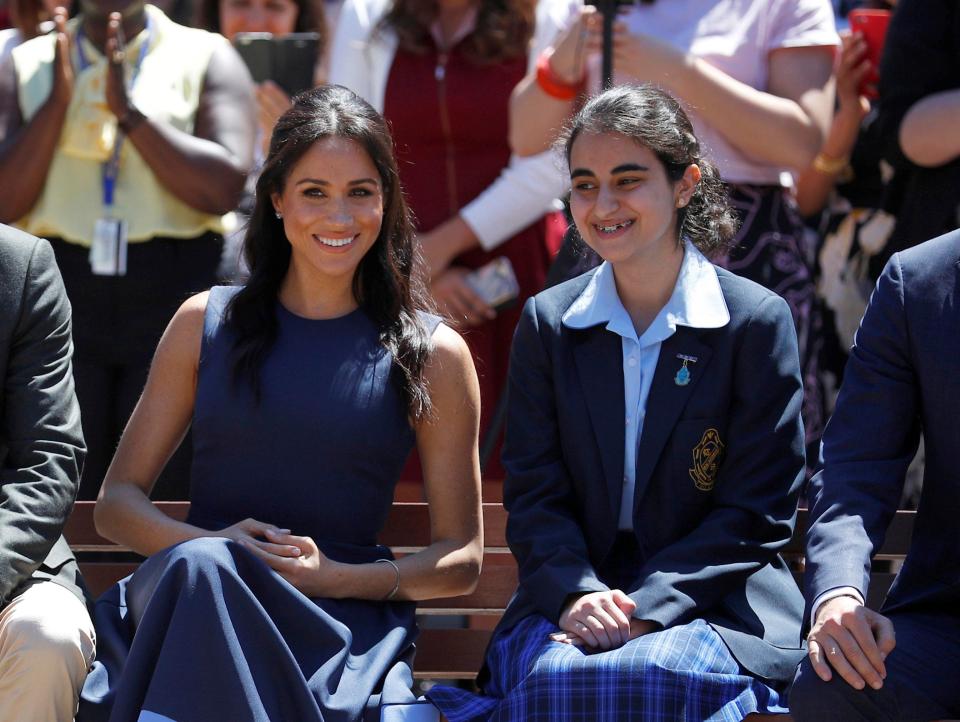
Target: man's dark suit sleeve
column 755, row 498
column 542, row 529
column 40, row 423
column 867, row 446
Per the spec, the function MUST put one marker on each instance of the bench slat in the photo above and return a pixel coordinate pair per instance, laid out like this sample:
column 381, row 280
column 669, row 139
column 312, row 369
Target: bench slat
column 450, row 653
column 442, row 653
column 407, row 526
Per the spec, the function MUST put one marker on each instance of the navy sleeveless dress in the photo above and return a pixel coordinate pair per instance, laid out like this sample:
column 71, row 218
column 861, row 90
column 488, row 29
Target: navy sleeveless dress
column 206, row 631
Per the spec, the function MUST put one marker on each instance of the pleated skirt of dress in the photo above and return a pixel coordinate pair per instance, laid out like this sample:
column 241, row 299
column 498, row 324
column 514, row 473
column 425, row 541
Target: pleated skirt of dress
column 205, row 631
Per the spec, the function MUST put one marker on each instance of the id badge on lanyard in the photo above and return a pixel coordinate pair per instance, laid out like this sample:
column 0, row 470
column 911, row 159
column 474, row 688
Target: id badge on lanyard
column 108, row 252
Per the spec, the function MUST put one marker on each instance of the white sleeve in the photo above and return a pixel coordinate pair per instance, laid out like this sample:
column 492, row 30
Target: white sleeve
column 348, row 62
column 526, row 187
column 832, row 594
column 522, row 194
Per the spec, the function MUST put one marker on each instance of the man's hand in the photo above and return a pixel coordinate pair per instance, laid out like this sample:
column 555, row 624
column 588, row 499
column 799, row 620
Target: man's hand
column 851, row 639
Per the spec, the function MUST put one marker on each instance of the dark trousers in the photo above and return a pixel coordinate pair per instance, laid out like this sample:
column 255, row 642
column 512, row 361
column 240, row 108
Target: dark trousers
column 922, row 684
column 117, row 322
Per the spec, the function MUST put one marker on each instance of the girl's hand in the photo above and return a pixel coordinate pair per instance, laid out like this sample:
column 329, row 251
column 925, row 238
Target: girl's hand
column 298, row 560
column 599, row 619
column 852, row 68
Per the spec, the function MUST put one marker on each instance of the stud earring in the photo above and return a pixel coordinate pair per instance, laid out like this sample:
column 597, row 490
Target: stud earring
column 279, row 214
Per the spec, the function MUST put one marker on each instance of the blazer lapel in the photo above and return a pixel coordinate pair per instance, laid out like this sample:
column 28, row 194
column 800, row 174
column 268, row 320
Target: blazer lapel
column 666, row 401
column 599, row 360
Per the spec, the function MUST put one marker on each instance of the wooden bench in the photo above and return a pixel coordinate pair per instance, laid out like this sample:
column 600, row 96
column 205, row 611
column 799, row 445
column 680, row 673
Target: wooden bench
column 447, row 653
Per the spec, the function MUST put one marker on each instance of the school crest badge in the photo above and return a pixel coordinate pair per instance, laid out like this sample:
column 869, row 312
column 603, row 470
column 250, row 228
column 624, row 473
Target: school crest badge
column 707, row 456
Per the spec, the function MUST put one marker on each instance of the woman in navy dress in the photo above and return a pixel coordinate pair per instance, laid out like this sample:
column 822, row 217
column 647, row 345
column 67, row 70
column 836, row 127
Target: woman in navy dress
column 306, row 389
column 654, row 454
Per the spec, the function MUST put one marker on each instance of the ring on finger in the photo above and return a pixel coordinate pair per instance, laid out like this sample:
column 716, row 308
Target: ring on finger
column 833, row 651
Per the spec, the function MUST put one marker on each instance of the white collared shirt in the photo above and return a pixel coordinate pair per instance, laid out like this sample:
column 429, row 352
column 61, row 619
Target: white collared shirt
column 697, row 301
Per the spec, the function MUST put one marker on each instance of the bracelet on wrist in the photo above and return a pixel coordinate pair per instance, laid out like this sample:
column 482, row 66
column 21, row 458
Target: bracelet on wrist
column 551, row 84
column 130, row 120
column 396, row 585
column 829, row 165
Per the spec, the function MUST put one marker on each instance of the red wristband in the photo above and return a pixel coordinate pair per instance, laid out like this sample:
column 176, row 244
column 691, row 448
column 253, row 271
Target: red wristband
column 552, row 85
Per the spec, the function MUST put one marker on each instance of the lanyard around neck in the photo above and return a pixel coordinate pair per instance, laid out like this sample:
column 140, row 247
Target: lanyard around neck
column 111, row 168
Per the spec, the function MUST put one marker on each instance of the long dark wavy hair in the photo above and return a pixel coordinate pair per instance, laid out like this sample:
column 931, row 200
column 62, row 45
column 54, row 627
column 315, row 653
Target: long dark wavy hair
column 654, row 119
column 384, row 284
column 503, row 31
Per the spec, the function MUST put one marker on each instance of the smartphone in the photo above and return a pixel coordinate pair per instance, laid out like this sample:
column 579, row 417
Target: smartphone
column 287, row 60
column 872, row 24
column 495, row 283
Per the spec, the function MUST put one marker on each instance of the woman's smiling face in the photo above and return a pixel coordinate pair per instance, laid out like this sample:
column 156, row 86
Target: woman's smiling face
column 332, row 208
column 622, row 201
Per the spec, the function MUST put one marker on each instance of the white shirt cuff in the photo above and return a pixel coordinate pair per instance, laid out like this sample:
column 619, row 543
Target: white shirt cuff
column 832, row 594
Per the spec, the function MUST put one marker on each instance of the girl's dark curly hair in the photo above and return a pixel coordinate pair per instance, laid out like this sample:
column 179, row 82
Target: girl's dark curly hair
column 384, row 284
column 654, row 119
column 503, row 31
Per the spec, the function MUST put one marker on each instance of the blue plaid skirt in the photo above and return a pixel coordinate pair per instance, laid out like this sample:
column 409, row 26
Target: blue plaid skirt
column 681, row 674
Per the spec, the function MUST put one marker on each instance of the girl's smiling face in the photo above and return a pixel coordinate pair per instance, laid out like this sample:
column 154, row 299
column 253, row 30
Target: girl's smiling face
column 623, row 203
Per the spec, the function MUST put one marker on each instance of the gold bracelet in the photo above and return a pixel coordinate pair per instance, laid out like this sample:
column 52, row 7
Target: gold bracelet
column 828, row 165
column 396, row 586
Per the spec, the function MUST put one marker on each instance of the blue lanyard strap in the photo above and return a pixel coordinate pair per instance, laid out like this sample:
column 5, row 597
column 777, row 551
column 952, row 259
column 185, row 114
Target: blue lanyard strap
column 111, row 168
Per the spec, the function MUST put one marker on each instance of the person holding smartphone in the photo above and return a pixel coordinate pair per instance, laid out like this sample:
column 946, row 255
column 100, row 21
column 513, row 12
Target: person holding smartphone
column 919, row 107
column 443, row 73
column 230, row 18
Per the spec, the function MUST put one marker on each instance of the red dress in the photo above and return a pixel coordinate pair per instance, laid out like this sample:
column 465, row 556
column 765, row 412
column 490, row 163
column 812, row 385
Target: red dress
column 449, row 119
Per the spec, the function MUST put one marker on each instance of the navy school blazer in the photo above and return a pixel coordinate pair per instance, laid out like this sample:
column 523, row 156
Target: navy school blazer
column 902, row 379
column 719, row 470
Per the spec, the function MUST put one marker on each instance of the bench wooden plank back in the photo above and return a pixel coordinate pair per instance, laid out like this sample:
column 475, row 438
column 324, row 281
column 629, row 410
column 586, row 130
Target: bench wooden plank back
column 443, row 653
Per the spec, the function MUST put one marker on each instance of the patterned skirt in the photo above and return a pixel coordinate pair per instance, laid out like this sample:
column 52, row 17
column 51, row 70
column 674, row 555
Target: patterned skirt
column 681, row 674
column 772, row 249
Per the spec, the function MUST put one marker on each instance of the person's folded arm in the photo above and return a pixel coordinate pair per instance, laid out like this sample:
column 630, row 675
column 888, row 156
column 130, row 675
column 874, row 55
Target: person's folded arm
column 919, row 79
column 27, row 149
column 522, row 193
column 543, row 531
column 754, row 501
column 206, row 170
column 40, row 425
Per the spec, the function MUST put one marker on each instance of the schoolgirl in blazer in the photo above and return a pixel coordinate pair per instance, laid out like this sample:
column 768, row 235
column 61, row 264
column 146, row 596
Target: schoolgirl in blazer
column 654, row 454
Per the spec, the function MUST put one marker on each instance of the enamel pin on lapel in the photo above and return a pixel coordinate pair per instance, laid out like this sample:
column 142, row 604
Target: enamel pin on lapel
column 683, row 374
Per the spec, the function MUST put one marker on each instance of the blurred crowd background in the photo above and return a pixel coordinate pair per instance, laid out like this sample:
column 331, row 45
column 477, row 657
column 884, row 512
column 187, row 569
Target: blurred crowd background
column 830, row 169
